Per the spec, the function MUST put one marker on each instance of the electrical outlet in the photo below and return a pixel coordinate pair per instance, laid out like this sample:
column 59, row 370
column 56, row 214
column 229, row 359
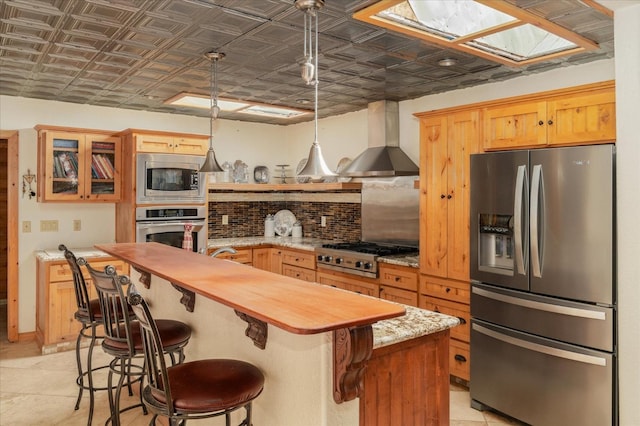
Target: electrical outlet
column 26, row 226
column 77, row 225
column 225, row 219
column 323, row 221
column 48, row 226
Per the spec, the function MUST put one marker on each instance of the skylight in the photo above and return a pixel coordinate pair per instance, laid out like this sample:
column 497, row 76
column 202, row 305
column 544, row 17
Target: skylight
column 493, row 29
column 245, row 107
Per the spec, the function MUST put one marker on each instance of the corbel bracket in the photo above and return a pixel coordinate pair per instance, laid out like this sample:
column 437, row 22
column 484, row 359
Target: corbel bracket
column 352, row 349
column 256, row 329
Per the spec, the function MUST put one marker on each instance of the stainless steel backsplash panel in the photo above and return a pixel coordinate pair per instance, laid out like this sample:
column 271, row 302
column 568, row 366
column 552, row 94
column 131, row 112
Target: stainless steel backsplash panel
column 391, row 210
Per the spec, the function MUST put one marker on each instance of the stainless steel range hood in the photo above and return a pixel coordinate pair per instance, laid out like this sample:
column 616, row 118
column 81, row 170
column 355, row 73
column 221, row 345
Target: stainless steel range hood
column 384, row 156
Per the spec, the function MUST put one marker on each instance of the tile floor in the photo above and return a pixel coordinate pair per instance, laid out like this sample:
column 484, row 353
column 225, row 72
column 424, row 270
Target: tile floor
column 40, row 389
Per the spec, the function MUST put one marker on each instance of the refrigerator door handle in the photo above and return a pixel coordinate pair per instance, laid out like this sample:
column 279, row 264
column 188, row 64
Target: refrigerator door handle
column 541, row 306
column 536, row 223
column 521, row 186
column 558, row 353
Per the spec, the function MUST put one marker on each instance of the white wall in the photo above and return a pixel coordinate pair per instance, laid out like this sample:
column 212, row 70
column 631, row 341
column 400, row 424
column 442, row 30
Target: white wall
column 627, row 34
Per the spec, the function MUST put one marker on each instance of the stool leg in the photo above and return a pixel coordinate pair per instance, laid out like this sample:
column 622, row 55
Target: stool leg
column 80, row 379
column 90, row 373
column 116, row 412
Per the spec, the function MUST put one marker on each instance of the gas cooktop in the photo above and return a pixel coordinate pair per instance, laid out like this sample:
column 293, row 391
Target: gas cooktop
column 371, row 248
column 357, row 257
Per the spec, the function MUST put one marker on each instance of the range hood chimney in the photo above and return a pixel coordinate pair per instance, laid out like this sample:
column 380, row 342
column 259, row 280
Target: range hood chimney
column 384, row 156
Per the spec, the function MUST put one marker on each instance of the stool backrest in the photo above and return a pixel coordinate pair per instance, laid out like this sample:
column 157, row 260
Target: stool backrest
column 155, row 363
column 113, row 305
column 79, row 284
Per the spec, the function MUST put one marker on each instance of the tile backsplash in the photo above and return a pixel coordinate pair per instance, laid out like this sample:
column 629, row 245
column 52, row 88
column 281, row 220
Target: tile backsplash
column 246, row 218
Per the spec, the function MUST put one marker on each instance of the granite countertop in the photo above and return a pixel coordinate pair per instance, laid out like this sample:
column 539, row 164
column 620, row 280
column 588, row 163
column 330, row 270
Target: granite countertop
column 55, row 254
column 303, row 244
column 415, row 323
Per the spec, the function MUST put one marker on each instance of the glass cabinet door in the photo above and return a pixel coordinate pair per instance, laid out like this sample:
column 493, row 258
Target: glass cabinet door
column 103, row 167
column 64, row 166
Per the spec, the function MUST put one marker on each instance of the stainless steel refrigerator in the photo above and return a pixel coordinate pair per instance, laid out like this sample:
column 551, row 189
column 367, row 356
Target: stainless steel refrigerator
column 543, row 297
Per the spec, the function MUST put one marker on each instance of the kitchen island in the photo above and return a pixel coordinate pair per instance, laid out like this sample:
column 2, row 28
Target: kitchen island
column 315, row 344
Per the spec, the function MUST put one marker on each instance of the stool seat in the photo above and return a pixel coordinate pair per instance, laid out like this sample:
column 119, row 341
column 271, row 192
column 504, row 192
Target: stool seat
column 173, row 333
column 83, row 316
column 235, row 382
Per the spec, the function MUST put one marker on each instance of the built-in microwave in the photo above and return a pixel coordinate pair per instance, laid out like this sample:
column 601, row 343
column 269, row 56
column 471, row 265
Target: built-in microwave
column 169, row 178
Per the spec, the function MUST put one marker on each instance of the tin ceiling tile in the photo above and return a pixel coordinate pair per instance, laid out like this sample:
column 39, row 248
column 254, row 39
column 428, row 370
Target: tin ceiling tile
column 137, row 54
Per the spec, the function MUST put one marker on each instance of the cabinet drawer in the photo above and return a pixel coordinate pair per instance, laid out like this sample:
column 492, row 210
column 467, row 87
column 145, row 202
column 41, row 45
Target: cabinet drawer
column 456, row 291
column 398, row 295
column 241, row 256
column 399, row 276
column 304, row 260
column 459, row 359
column 347, row 283
column 459, row 310
column 62, row 271
column 299, row 273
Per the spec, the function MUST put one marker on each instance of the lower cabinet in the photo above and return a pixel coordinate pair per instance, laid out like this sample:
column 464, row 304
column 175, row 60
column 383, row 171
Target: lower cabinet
column 56, row 327
column 450, row 297
column 398, row 283
column 242, row 255
column 368, row 286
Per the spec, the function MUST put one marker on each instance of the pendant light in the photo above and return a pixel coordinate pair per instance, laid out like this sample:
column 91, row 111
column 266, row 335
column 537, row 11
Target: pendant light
column 316, row 167
column 210, row 162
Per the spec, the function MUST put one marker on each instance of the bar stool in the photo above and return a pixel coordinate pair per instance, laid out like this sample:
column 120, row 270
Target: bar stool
column 89, row 316
column 123, row 339
column 196, row 389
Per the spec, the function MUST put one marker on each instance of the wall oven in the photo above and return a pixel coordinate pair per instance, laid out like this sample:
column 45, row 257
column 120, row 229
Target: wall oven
column 166, row 225
column 170, row 178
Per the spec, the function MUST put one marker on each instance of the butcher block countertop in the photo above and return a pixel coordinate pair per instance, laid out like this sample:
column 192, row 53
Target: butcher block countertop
column 295, row 306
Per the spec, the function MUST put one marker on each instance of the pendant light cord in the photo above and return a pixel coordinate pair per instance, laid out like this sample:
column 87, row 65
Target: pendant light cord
column 316, row 80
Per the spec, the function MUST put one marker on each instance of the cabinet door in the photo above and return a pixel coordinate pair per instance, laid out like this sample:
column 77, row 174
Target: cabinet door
column 262, row 258
column 463, row 139
column 517, row 125
column 62, row 326
column 61, row 169
column 433, row 201
column 276, row 260
column 103, row 174
column 154, row 143
column 347, row 283
column 590, row 117
column 192, row 146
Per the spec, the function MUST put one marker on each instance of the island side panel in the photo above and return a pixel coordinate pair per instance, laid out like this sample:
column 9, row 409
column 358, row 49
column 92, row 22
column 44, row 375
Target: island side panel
column 298, row 368
column 408, row 383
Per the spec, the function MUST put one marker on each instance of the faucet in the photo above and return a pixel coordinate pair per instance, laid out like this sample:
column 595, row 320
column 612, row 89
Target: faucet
column 223, row 250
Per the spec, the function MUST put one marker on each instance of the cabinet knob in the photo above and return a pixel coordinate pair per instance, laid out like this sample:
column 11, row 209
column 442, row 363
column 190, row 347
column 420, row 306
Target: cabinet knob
column 449, row 197
column 540, row 123
column 460, row 358
column 550, row 122
column 447, row 290
column 441, row 195
column 397, row 279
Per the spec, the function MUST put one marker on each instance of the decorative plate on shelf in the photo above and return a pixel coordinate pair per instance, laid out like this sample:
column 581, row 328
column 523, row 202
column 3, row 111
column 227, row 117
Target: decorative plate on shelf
column 283, row 221
column 301, row 179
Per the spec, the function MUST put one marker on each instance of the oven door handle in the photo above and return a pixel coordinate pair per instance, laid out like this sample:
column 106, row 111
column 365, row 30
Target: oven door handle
column 146, row 225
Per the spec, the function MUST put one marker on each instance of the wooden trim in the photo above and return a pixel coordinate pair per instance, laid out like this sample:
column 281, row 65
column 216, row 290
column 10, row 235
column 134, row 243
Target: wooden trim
column 249, row 187
column 546, row 95
column 161, row 133
column 13, row 278
column 600, row 8
column 25, row 337
column 46, row 127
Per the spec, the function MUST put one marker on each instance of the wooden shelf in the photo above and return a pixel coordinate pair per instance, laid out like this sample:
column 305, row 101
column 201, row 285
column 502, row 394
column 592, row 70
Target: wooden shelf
column 284, row 187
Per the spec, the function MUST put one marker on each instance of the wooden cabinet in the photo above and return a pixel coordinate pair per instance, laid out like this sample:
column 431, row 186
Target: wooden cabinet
column 398, row 283
column 350, row 282
column 579, row 116
column 170, row 143
column 56, row 327
column 298, row 264
column 76, row 165
column 242, row 255
column 446, row 143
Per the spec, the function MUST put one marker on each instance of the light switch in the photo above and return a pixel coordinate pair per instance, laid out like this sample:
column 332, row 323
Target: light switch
column 48, row 226
column 225, row 219
column 26, row 226
column 77, row 225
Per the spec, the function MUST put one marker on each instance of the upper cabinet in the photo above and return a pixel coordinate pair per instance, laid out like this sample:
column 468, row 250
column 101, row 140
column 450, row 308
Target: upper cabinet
column 446, row 143
column 581, row 115
column 78, row 165
column 163, row 142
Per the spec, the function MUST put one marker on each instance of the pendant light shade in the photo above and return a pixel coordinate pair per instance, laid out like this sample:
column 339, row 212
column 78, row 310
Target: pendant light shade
column 316, row 167
column 210, row 163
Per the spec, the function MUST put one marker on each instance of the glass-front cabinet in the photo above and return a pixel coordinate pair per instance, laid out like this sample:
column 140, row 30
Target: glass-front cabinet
column 79, row 167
